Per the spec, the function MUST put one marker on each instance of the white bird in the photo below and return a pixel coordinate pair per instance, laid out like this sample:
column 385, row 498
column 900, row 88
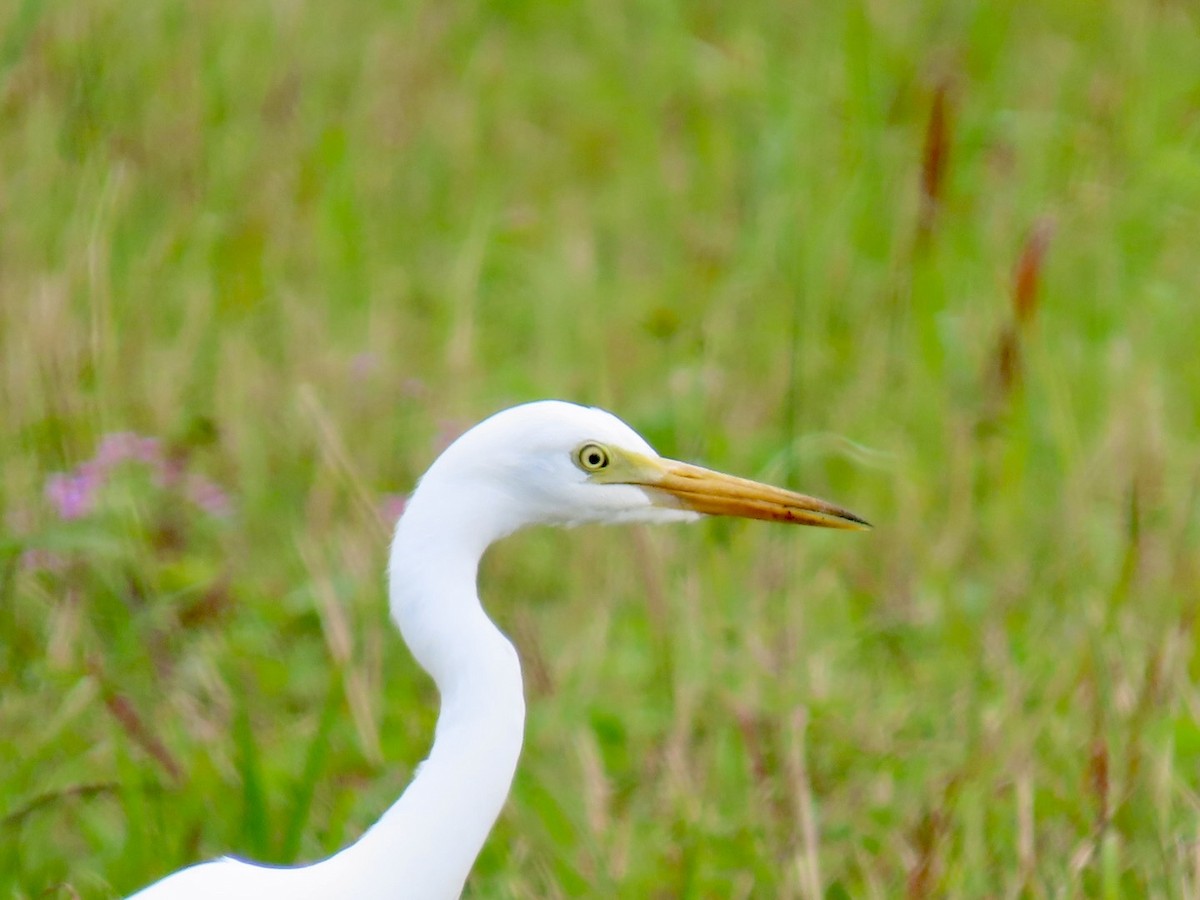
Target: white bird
column 547, row 462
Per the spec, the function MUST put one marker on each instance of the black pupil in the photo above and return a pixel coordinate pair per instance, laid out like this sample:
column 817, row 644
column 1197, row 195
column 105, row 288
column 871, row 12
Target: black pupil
column 594, row 458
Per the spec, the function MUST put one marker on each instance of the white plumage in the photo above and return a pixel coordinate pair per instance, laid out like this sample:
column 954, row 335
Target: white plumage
column 548, row 462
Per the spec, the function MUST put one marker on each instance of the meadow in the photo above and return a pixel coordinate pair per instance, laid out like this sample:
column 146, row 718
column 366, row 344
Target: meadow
column 936, row 261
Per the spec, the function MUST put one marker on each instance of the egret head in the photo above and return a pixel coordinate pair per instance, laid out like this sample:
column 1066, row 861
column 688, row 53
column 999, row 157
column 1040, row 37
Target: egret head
column 552, row 462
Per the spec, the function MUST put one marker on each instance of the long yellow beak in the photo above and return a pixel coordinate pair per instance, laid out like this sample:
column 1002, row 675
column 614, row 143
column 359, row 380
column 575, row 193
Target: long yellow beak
column 717, row 494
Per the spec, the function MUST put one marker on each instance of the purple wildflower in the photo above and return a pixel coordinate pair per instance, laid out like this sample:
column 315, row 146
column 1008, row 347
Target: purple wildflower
column 149, row 451
column 169, row 471
column 122, row 446
column 209, row 496
column 74, row 493
column 116, row 448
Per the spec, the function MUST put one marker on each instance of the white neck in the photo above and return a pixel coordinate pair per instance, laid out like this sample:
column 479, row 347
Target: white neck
column 425, row 844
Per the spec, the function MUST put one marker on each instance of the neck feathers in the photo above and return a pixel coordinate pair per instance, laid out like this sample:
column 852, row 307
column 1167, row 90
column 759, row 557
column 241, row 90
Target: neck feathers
column 430, row 837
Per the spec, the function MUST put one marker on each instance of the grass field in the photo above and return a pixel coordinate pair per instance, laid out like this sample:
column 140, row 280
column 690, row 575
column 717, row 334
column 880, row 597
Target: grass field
column 939, row 262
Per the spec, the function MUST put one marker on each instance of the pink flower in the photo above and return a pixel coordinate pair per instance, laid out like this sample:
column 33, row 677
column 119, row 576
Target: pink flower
column 122, row 446
column 209, row 496
column 73, row 494
column 169, row 472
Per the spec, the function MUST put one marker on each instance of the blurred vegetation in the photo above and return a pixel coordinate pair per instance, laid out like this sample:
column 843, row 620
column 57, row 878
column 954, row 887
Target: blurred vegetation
column 936, row 261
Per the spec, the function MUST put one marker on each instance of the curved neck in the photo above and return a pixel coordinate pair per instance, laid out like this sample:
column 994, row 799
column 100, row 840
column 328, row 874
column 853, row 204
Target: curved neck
column 426, row 843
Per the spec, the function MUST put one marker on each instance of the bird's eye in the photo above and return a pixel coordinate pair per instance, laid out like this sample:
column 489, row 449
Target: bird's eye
column 591, row 457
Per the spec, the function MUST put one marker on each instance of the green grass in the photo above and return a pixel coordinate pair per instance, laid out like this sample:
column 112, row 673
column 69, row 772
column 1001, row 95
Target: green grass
column 301, row 242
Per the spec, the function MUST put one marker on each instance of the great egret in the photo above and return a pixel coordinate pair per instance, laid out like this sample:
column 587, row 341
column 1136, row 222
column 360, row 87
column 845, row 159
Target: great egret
column 548, row 462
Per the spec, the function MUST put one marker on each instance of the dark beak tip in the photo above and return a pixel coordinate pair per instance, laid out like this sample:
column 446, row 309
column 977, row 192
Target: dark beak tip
column 850, row 521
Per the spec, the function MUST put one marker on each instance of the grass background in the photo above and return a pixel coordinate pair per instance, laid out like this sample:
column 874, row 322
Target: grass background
column 937, row 261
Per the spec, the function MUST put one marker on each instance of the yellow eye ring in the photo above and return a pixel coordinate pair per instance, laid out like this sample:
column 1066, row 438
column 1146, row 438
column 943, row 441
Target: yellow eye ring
column 592, row 458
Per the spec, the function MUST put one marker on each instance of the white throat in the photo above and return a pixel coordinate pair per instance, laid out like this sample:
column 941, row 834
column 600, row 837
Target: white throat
column 423, row 847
